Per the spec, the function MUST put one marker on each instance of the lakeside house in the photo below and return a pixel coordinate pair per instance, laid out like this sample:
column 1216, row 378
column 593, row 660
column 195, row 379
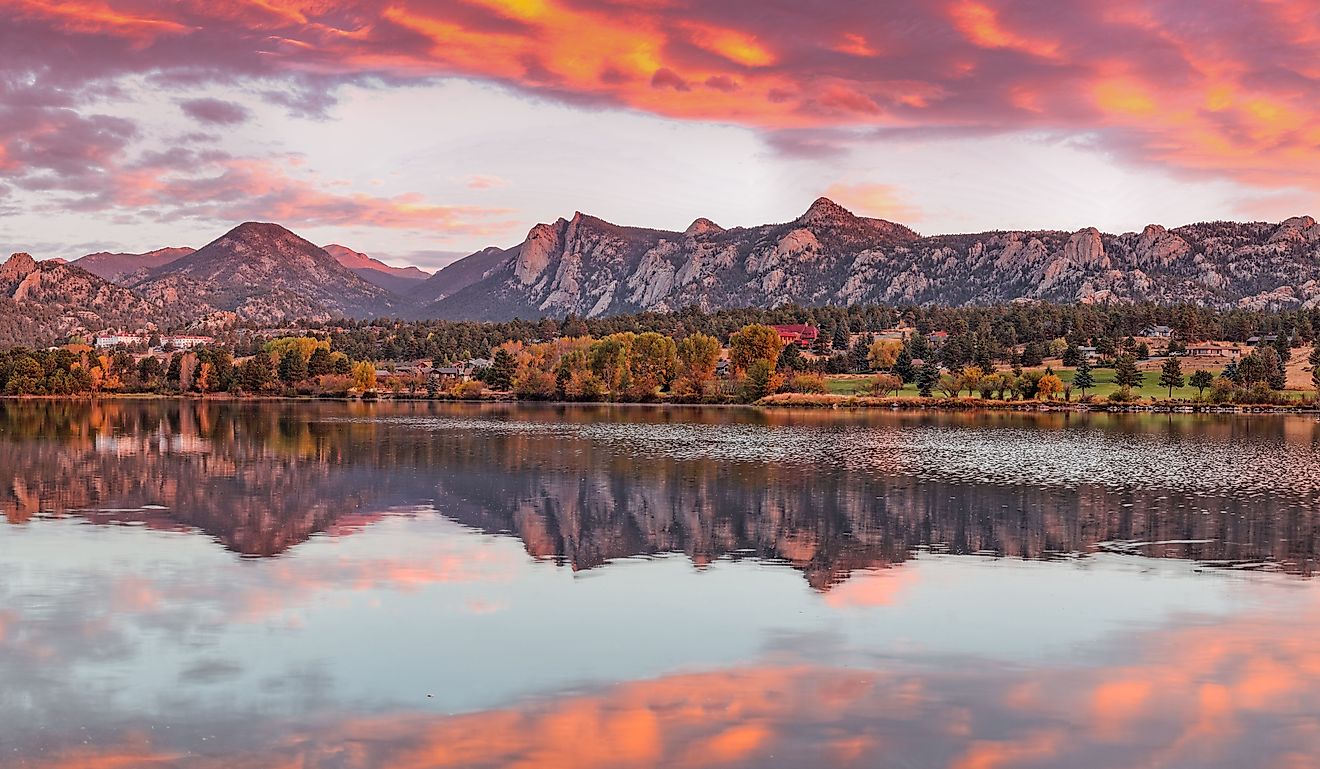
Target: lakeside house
column 1157, row 332
column 1087, row 352
column 800, row 334
column 1212, row 350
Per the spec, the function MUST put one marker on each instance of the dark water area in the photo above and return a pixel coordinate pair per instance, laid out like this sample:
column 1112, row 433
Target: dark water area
column 346, row 585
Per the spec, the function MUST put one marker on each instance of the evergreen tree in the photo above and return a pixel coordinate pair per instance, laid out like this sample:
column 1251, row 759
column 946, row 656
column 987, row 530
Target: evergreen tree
column 1126, row 373
column 1171, row 375
column 1033, row 354
column 859, row 356
column 293, row 369
column 502, row 369
column 1200, row 380
column 928, row 378
column 1084, row 379
column 841, row 335
column 790, row 358
column 320, row 363
column 1071, row 355
column 1314, row 360
column 903, row 365
column 821, row 344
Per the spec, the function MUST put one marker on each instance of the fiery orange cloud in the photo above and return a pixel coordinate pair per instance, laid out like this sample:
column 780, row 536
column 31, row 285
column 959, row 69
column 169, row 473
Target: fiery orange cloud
column 981, row 24
column 1177, row 85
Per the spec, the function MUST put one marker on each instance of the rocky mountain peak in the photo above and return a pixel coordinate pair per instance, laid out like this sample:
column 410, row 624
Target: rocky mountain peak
column 17, row 266
column 701, row 225
column 826, row 211
column 1297, row 229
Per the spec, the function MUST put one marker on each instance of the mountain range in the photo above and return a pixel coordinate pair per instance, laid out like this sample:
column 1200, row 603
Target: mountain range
column 263, row 273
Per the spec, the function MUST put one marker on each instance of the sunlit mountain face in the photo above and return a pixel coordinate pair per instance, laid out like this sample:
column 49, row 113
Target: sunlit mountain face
column 208, row 584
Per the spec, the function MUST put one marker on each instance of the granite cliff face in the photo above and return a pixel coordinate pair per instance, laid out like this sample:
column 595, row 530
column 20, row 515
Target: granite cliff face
column 590, row 267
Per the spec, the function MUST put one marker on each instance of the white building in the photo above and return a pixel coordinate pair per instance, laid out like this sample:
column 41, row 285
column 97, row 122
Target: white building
column 184, row 342
column 114, row 340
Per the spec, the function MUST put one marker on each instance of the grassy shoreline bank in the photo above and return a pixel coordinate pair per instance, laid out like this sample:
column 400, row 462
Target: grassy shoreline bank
column 776, row 401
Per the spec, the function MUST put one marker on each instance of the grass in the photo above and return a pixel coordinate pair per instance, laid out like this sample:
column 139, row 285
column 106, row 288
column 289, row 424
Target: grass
column 1104, row 384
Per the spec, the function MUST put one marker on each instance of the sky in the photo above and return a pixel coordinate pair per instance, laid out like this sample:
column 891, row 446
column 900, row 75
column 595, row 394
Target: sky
column 420, row 130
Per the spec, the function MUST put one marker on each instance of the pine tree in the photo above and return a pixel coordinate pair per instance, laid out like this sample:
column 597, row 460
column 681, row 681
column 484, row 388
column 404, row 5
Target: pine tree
column 1200, row 380
column 293, row 368
column 903, row 365
column 1314, row 360
column 1126, row 373
column 1171, row 375
column 928, row 378
column 841, row 336
column 502, row 369
column 1084, row 379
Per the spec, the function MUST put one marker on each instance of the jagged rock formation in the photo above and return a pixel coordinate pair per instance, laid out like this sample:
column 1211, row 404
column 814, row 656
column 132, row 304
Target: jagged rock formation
column 827, row 256
column 46, row 300
column 590, row 267
column 120, row 267
column 264, row 272
column 399, row 280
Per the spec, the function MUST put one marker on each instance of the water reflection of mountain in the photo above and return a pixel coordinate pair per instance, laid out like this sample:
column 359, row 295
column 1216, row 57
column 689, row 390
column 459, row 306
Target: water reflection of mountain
column 585, row 486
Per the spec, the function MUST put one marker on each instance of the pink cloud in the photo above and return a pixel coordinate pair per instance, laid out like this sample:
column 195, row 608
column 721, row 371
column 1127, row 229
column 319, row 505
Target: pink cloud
column 1225, row 89
column 215, row 111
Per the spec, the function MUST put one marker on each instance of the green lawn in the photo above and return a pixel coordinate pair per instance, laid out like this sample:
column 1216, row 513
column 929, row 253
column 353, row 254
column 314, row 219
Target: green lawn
column 1104, row 379
column 1104, row 384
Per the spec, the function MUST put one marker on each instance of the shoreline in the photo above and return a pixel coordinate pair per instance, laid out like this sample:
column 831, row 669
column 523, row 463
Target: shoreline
column 864, row 402
column 780, row 401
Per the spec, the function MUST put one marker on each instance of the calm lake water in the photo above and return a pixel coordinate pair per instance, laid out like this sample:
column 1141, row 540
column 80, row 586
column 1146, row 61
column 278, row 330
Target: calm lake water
column 351, row 586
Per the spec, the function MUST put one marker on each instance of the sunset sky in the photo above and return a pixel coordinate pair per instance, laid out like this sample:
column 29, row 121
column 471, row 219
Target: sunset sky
column 418, row 129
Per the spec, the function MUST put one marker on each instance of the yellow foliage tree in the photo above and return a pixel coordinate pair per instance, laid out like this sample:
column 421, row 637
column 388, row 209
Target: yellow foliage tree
column 753, row 343
column 364, row 376
column 884, row 353
column 698, row 359
column 1049, row 387
column 305, row 345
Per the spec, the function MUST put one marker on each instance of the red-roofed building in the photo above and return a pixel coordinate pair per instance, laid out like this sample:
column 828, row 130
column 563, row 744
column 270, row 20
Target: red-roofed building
column 798, row 333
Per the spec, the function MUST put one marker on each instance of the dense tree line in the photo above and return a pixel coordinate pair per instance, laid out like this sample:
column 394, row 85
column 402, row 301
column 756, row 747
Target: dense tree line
column 977, row 330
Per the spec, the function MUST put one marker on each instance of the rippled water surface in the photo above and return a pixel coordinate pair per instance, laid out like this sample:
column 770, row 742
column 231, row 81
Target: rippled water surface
column 352, row 586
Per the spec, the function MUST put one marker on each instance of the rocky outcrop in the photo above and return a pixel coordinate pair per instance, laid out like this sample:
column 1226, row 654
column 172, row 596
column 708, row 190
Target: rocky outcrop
column 829, row 256
column 43, row 301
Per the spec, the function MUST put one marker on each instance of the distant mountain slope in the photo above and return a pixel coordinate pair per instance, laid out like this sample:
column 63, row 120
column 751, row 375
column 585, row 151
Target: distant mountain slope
column 41, row 301
column 828, row 256
column 456, row 276
column 115, row 267
column 264, row 272
column 399, row 280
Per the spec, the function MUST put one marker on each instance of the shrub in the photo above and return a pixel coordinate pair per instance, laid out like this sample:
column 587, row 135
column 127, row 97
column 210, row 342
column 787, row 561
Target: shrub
column 807, row 383
column 1123, row 394
column 469, row 389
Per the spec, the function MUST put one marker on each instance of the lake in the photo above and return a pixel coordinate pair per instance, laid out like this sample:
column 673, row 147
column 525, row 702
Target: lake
column 350, row 586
